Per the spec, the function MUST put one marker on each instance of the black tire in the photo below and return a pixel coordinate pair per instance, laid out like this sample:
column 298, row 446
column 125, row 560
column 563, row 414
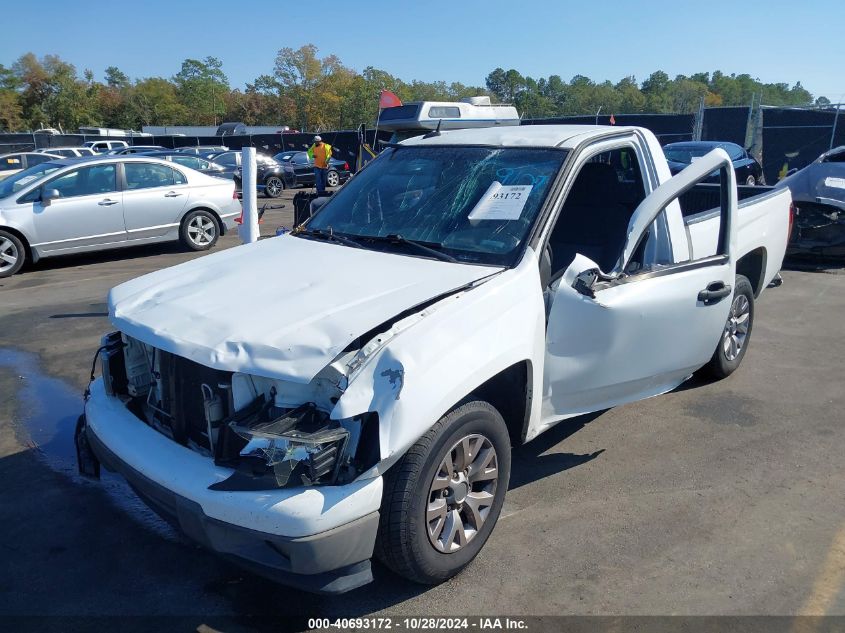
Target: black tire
column 403, row 542
column 200, row 230
column 724, row 363
column 12, row 254
column 273, row 186
column 332, row 178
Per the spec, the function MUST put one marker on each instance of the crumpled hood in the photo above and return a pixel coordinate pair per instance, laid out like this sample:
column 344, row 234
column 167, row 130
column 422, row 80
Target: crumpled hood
column 282, row 308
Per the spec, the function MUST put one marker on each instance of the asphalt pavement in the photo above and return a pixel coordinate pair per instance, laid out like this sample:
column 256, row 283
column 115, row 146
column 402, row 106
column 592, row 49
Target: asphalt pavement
column 720, row 498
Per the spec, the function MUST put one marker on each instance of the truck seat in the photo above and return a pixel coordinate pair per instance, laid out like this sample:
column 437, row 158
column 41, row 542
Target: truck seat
column 593, row 221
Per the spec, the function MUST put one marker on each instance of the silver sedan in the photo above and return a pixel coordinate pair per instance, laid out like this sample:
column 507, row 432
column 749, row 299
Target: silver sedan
column 88, row 204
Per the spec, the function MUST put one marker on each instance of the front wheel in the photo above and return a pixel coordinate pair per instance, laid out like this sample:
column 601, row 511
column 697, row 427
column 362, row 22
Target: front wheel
column 442, row 499
column 199, row 230
column 751, row 181
column 332, row 179
column 274, row 186
column 737, row 333
column 12, row 254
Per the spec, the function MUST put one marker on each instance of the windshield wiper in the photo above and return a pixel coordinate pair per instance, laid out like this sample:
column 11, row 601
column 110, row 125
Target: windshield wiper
column 328, row 235
column 395, row 238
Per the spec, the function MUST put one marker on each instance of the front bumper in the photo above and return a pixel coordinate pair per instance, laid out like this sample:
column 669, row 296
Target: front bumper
column 319, row 539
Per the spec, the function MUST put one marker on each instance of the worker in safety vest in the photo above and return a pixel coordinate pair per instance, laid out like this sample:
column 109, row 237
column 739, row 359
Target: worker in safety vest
column 320, row 153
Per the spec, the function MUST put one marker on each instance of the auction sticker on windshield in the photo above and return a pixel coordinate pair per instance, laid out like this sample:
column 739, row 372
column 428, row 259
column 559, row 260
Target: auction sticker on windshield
column 501, row 202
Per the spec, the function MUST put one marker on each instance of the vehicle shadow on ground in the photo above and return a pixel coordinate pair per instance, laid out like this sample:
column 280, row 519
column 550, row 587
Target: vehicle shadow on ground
column 99, row 257
column 529, row 463
column 698, row 379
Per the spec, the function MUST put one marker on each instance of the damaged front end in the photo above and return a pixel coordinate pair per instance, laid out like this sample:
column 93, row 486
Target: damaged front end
column 271, row 433
column 819, row 229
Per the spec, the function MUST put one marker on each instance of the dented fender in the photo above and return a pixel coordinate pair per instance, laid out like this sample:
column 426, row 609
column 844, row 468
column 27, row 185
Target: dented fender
column 429, row 362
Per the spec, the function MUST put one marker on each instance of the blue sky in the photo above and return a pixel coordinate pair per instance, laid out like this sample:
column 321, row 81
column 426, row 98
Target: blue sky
column 773, row 40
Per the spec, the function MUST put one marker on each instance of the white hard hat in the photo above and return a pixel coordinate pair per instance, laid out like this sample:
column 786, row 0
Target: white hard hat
column 317, row 138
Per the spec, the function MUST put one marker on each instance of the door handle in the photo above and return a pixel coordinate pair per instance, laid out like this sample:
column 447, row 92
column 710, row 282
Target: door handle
column 107, row 202
column 714, row 292
column 172, row 194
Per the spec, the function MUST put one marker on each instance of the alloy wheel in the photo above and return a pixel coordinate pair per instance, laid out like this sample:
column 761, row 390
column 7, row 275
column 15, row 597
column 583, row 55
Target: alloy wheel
column 332, row 179
column 462, row 493
column 8, row 254
column 736, row 329
column 201, row 230
column 273, row 187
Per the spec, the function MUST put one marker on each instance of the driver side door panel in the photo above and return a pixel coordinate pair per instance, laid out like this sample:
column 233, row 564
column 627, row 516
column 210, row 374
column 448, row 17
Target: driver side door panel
column 633, row 336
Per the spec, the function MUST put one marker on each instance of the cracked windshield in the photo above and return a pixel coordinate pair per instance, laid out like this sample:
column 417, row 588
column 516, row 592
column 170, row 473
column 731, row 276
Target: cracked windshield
column 469, row 204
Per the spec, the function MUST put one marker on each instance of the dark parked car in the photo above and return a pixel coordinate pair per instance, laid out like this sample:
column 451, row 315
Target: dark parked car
column 202, row 165
column 269, row 178
column 299, row 171
column 680, row 155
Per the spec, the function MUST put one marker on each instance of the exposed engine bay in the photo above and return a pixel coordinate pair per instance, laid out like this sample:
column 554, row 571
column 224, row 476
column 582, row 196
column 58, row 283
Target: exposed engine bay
column 272, row 433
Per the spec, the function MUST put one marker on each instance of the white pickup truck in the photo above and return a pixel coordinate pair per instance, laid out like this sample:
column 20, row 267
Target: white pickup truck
column 355, row 387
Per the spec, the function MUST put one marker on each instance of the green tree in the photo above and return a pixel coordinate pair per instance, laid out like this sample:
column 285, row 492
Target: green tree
column 631, row 98
column 116, row 78
column 202, row 87
column 155, row 101
column 11, row 112
column 656, row 91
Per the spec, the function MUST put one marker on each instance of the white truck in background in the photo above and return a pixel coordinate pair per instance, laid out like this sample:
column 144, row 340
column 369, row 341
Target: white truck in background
column 467, row 290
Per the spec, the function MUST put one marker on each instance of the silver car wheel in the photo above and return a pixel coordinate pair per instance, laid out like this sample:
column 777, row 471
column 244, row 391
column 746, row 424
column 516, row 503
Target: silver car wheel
column 8, row 254
column 332, row 179
column 462, row 493
column 274, row 187
column 751, row 181
column 736, row 329
column 201, row 230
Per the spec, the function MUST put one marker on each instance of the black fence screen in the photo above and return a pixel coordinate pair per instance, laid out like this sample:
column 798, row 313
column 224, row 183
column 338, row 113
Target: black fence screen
column 726, row 124
column 794, row 138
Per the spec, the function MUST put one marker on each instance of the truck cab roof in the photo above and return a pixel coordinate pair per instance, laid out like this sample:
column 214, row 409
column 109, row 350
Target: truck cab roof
column 562, row 136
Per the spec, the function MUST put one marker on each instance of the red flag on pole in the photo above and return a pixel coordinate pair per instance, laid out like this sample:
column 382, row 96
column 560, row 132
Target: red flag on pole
column 388, row 100
column 612, row 120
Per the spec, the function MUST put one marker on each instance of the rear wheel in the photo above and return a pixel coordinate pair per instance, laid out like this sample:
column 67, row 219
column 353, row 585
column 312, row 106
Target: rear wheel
column 199, row 230
column 737, row 333
column 442, row 499
column 273, row 186
column 332, row 178
column 12, row 254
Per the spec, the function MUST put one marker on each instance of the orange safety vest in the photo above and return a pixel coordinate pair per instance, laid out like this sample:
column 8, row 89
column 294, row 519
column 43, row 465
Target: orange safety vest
column 321, row 155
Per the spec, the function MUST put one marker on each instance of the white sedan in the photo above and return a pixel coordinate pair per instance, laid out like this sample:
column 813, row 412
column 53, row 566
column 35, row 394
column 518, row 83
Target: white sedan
column 77, row 205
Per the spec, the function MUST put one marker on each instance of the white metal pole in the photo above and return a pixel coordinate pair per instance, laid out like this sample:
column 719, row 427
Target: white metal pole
column 249, row 227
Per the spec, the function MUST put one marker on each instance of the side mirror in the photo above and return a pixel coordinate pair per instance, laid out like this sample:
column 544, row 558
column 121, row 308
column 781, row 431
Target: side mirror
column 48, row 195
column 582, row 274
column 584, row 282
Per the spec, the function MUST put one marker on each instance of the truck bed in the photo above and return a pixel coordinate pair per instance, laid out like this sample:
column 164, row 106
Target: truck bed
column 763, row 224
